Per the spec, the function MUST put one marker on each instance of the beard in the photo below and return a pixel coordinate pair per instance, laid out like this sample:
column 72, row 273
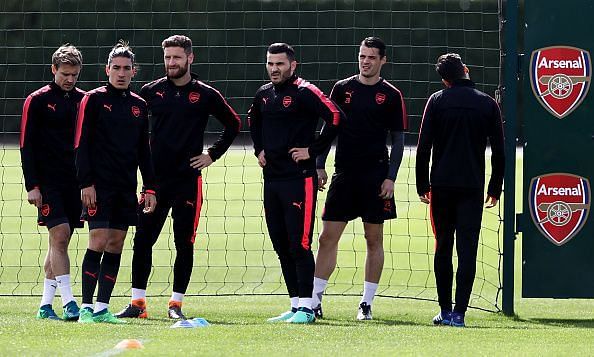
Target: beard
column 181, row 71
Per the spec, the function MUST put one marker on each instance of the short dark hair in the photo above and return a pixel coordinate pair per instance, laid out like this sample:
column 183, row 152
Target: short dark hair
column 280, row 47
column 178, row 41
column 67, row 54
column 121, row 49
column 450, row 66
column 375, row 42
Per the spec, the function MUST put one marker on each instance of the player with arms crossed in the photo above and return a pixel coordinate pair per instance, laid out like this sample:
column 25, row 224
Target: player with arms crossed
column 363, row 184
column 283, row 120
column 47, row 154
column 180, row 106
column 112, row 142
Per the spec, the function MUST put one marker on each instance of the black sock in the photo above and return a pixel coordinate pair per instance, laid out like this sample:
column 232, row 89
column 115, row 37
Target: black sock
column 110, row 265
column 90, row 271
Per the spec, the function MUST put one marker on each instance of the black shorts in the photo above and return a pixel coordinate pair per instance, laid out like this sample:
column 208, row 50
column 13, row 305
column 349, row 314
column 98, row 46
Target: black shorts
column 114, row 209
column 355, row 194
column 60, row 205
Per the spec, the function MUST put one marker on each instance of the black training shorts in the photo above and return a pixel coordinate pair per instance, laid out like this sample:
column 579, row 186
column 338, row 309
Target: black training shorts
column 355, row 193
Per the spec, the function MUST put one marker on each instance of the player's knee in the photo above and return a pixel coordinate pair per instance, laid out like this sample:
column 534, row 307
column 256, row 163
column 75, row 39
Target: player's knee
column 328, row 240
column 142, row 248
column 60, row 244
column 374, row 241
column 47, row 267
column 114, row 245
column 184, row 245
column 298, row 251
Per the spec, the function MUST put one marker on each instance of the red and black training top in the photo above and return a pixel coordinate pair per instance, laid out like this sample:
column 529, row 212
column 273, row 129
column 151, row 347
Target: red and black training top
column 47, row 132
column 371, row 111
column 112, row 140
column 286, row 116
column 179, row 116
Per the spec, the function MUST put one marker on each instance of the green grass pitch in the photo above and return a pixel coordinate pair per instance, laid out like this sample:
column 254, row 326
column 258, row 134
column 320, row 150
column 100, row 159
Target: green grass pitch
column 234, row 256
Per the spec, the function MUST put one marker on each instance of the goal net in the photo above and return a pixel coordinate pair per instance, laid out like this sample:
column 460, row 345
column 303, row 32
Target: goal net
column 233, row 254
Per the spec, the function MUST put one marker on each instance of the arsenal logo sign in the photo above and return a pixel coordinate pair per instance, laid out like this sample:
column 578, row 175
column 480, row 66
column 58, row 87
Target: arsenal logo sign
column 91, row 211
column 193, row 97
column 560, row 78
column 287, row 100
column 380, row 98
column 45, row 210
column 135, row 111
column 559, row 205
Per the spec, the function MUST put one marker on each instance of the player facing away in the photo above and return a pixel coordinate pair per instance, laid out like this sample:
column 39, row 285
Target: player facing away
column 180, row 106
column 111, row 143
column 283, row 119
column 456, row 124
column 363, row 184
column 47, row 155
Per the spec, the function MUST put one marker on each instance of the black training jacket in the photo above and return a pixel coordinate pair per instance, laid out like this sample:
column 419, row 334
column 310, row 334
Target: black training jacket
column 47, row 134
column 286, row 116
column 371, row 111
column 178, row 120
column 456, row 124
column 112, row 140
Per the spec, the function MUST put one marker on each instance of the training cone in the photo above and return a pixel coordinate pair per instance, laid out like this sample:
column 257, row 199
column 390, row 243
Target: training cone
column 199, row 322
column 183, row 324
column 129, row 345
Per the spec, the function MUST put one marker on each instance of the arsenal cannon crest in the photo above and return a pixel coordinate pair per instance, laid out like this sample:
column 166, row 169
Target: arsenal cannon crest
column 560, row 78
column 559, row 205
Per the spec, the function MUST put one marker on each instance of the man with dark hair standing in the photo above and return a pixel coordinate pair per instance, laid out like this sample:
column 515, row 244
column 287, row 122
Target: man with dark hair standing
column 283, row 119
column 111, row 143
column 456, row 124
column 180, row 106
column 47, row 154
column 363, row 184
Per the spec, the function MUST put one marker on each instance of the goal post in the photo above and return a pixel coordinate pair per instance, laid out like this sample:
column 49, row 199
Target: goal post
column 233, row 254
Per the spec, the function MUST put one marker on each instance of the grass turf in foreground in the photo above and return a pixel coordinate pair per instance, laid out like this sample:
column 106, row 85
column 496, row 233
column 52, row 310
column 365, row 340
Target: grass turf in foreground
column 238, row 327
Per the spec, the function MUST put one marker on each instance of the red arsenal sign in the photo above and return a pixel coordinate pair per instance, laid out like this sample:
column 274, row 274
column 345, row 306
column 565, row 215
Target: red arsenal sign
column 287, row 100
column 193, row 97
column 136, row 111
column 45, row 210
column 559, row 205
column 560, row 78
column 380, row 98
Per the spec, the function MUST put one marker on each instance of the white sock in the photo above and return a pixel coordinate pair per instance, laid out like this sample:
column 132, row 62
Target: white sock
column 305, row 302
column 90, row 306
column 294, row 302
column 369, row 290
column 318, row 291
column 65, row 288
column 179, row 297
column 100, row 306
column 138, row 294
column 49, row 292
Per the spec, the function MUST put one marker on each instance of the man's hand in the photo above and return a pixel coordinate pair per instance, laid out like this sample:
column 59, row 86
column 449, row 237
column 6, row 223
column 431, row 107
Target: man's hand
column 299, row 154
column 201, row 161
column 262, row 159
column 425, row 198
column 88, row 196
column 387, row 189
column 34, row 197
column 490, row 202
column 150, row 202
column 322, row 179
